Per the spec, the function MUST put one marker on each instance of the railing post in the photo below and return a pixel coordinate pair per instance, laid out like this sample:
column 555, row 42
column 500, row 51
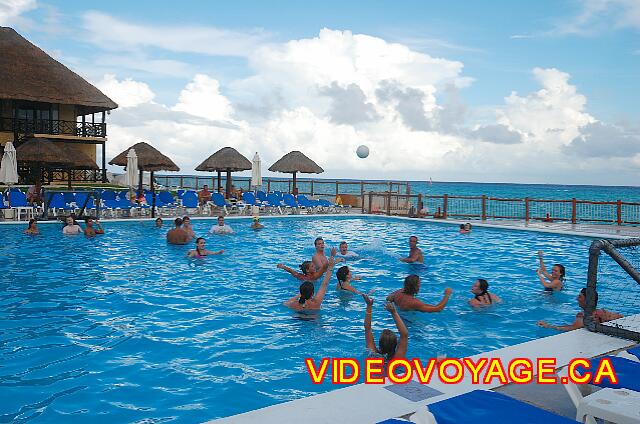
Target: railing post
column 420, row 205
column 619, row 211
column 312, row 188
column 362, row 195
column 370, row 197
column 526, row 209
column 484, row 207
column 445, row 205
column 269, row 185
column 574, row 210
column 389, row 203
column 361, row 187
column 337, row 188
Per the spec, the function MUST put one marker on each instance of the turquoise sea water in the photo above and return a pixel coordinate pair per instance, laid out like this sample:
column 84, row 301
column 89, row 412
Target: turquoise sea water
column 125, row 328
column 502, row 190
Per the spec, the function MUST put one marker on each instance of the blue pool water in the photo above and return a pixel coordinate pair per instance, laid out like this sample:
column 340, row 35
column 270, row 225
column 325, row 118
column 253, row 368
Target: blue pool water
column 124, row 328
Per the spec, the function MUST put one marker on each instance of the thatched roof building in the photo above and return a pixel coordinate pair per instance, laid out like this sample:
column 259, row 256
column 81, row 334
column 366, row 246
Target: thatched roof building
column 225, row 159
column 149, row 159
column 294, row 162
column 30, row 74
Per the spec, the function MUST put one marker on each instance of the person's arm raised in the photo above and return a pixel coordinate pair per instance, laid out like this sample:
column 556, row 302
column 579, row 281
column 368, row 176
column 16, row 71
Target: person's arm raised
column 291, row 271
column 368, row 333
column 319, row 297
column 543, row 268
column 401, row 349
column 423, row 307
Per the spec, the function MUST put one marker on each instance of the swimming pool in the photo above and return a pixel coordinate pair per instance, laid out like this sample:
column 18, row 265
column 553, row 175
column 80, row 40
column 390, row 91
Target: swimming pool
column 124, row 328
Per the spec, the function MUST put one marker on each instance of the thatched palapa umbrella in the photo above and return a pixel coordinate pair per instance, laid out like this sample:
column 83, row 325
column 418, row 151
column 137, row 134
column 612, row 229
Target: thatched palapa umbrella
column 294, row 162
column 226, row 159
column 149, row 159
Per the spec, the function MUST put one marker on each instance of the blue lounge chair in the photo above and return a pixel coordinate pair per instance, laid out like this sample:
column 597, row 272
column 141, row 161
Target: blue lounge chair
column 311, row 205
column 81, row 198
column 108, row 195
column 18, row 202
column 273, row 202
column 190, row 200
column 290, row 202
column 483, row 406
column 262, row 196
column 220, row 202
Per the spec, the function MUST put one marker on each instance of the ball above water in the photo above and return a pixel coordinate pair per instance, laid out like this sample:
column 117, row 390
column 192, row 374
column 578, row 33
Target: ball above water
column 362, row 151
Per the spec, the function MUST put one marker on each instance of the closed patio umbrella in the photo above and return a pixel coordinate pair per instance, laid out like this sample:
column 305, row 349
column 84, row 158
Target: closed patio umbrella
column 9, row 166
column 256, row 172
column 131, row 177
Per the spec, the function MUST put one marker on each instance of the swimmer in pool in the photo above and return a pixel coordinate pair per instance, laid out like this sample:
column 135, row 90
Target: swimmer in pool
column 344, row 252
column 599, row 315
column 32, row 229
column 319, row 258
column 554, row 281
column 200, row 251
column 306, row 301
column 344, row 280
column 405, row 298
column 309, row 272
column 256, row 225
column 388, row 345
column 482, row 297
column 158, row 222
column 415, row 254
column 186, row 226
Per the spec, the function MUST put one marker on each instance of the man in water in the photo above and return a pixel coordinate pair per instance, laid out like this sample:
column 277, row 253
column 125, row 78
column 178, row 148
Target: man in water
column 91, row 230
column 159, row 222
column 415, row 254
column 177, row 235
column 256, row 225
column 344, row 253
column 405, row 298
column 599, row 315
column 221, row 227
column 319, row 258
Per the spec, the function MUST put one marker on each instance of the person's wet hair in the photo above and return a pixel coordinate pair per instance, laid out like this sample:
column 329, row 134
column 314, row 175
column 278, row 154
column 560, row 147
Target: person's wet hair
column 306, row 291
column 462, row 226
column 343, row 243
column 562, row 271
column 178, row 222
column 304, row 267
column 583, row 292
column 342, row 273
column 411, row 284
column 31, row 222
column 387, row 344
column 413, row 237
column 315, row 242
column 186, row 218
column 483, row 284
column 198, row 239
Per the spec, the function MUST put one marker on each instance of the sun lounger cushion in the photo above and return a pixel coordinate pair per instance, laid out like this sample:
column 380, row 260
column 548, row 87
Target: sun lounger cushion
column 627, row 371
column 481, row 406
column 635, row 351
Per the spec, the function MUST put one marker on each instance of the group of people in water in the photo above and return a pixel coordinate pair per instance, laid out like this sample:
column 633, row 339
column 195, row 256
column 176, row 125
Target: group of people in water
column 404, row 299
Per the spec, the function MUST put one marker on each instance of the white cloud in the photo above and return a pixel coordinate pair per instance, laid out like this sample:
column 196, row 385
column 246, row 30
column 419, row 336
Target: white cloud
column 549, row 117
column 408, row 113
column 10, row 11
column 127, row 93
column 601, row 15
column 201, row 97
column 112, row 33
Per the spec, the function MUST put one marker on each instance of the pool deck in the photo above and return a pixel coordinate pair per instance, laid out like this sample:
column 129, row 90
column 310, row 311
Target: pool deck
column 371, row 403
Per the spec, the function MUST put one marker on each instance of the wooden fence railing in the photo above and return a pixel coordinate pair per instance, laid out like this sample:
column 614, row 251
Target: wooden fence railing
column 484, row 207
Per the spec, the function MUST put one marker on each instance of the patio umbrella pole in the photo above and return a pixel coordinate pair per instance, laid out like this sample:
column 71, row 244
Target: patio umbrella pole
column 69, row 182
column 153, row 195
column 228, row 191
column 140, row 191
column 294, row 191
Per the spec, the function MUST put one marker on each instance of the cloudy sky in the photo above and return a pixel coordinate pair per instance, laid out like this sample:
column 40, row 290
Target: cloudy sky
column 540, row 92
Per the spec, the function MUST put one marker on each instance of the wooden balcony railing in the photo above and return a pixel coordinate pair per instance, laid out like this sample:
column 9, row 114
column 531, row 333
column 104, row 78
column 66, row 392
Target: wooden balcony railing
column 54, row 127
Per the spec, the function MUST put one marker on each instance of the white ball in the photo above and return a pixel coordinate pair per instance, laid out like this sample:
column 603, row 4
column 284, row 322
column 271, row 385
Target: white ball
column 362, row 151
